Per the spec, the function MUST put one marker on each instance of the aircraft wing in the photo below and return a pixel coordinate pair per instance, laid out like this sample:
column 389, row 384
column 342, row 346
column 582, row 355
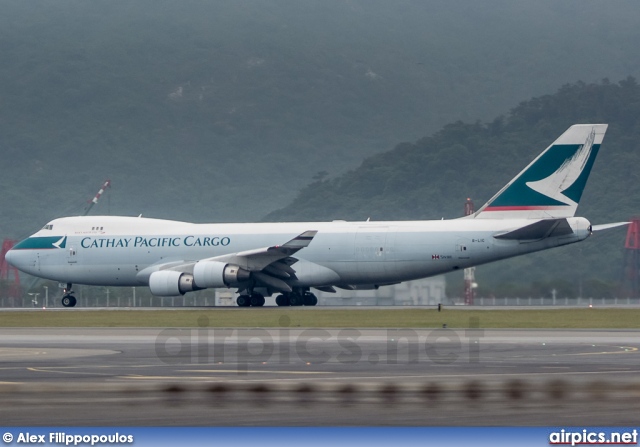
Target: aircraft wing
column 257, row 260
column 269, row 266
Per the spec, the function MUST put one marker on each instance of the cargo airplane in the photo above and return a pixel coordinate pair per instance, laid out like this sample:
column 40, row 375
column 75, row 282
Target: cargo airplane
column 534, row 211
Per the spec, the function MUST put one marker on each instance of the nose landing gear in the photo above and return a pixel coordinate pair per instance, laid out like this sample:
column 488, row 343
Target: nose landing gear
column 68, row 300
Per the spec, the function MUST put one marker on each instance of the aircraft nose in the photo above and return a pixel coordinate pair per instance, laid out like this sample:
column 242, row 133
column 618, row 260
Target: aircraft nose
column 23, row 260
column 16, row 259
column 9, row 255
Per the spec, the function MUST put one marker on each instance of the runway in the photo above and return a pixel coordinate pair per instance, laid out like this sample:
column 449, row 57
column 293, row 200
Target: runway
column 212, row 376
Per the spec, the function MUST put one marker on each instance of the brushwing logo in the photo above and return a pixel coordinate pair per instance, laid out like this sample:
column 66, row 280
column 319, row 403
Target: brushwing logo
column 61, row 243
column 566, row 175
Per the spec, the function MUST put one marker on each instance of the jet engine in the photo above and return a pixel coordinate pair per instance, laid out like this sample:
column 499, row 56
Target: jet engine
column 171, row 283
column 218, row 274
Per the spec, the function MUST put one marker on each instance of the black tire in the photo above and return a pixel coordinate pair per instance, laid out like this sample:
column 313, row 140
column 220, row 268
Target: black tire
column 295, row 300
column 68, row 301
column 73, row 301
column 243, row 301
column 282, row 300
column 257, row 300
column 307, row 299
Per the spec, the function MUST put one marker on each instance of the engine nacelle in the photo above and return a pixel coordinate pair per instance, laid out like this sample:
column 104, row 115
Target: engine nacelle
column 170, row 283
column 218, row 274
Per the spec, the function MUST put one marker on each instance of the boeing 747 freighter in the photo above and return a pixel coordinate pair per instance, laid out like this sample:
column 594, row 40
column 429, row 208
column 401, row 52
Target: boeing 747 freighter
column 534, row 211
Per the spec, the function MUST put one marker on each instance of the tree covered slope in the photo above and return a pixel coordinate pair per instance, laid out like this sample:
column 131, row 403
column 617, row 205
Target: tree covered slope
column 432, row 177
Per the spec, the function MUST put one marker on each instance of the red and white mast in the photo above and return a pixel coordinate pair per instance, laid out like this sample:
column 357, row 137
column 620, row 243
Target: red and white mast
column 93, row 201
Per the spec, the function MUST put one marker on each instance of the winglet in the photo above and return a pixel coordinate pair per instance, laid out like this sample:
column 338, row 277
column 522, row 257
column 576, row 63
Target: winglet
column 302, row 240
column 551, row 186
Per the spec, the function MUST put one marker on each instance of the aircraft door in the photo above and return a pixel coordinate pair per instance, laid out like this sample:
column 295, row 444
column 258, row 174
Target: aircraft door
column 469, row 250
column 463, row 249
column 72, row 255
column 371, row 251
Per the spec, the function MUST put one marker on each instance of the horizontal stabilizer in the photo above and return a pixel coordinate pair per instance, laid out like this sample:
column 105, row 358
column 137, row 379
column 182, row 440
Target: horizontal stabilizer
column 538, row 230
column 607, row 226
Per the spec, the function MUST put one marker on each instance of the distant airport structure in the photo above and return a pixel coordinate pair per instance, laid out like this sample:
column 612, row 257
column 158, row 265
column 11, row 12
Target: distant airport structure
column 421, row 292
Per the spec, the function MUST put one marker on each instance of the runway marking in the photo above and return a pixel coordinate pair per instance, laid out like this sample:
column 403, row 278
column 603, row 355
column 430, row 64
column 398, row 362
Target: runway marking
column 218, row 379
column 10, row 352
column 627, row 350
column 83, row 367
column 226, row 372
column 52, row 370
column 355, row 377
column 254, row 371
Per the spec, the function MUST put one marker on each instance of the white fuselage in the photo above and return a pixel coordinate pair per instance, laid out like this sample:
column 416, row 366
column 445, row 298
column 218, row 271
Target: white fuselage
column 116, row 251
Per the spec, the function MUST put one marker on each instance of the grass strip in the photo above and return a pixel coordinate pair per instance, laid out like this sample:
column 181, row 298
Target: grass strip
column 455, row 318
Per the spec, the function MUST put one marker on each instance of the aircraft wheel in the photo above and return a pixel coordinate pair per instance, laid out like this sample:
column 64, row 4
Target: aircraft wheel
column 282, row 300
column 307, row 299
column 295, row 300
column 68, row 301
column 257, row 300
column 243, row 300
column 310, row 299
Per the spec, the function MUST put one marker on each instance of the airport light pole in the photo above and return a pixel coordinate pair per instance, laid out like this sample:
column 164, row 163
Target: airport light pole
column 46, row 296
column 34, row 301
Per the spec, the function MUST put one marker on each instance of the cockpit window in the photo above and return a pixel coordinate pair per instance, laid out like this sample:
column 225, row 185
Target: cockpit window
column 48, row 227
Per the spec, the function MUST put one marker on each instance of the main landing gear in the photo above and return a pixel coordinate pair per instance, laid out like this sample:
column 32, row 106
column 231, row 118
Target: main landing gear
column 286, row 299
column 68, row 300
column 297, row 299
column 255, row 299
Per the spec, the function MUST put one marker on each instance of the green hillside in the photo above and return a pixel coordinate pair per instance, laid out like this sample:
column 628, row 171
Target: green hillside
column 432, row 177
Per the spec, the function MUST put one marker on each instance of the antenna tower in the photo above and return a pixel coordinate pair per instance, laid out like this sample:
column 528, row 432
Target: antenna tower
column 631, row 270
column 469, row 273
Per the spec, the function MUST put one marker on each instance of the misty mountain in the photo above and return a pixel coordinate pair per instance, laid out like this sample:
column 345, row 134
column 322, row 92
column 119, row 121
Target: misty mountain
column 221, row 111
